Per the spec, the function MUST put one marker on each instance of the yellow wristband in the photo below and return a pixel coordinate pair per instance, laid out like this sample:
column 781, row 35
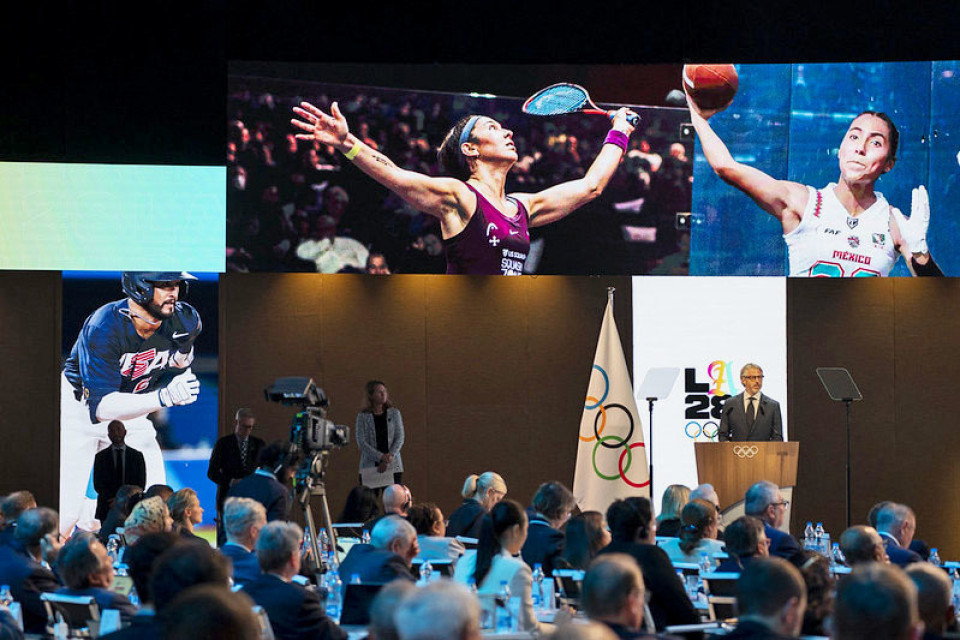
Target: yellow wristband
column 354, row 151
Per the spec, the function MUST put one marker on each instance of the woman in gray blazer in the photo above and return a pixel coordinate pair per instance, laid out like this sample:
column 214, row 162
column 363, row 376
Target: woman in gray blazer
column 380, row 432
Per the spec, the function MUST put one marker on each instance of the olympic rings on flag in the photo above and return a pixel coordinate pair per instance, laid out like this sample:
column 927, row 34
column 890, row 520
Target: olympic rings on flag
column 629, row 454
column 597, row 431
column 606, row 389
column 603, row 413
column 623, row 471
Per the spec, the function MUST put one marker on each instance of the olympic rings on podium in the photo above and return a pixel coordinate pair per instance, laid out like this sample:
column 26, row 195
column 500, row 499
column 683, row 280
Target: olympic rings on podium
column 745, row 451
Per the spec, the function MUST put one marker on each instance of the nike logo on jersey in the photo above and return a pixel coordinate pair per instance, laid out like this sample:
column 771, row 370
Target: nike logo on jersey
column 514, row 233
column 177, row 336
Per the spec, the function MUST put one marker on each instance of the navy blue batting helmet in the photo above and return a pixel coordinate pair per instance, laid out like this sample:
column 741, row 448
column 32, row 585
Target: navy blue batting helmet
column 138, row 285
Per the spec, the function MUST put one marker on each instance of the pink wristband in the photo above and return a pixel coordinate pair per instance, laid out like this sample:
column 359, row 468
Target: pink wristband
column 618, row 138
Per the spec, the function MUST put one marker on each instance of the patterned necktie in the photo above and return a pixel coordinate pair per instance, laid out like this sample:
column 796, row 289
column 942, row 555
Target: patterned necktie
column 752, row 411
column 243, row 452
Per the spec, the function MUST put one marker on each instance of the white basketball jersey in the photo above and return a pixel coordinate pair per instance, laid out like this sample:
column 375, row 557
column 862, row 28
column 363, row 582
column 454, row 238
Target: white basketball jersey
column 830, row 243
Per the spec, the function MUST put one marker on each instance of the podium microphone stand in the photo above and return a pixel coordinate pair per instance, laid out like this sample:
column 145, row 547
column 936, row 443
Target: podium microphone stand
column 840, row 387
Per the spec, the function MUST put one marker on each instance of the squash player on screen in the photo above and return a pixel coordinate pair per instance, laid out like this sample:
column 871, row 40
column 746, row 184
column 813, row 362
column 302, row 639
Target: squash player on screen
column 846, row 229
column 485, row 231
column 132, row 357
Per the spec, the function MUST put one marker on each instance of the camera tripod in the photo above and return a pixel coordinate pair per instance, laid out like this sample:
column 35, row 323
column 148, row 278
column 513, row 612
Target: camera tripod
column 310, row 482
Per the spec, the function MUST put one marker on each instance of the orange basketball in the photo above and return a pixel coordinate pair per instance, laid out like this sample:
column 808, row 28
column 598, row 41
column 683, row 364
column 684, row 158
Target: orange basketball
column 711, row 86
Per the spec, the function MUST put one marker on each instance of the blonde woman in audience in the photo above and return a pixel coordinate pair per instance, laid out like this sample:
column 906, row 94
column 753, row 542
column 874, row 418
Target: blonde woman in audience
column 185, row 510
column 148, row 516
column 675, row 498
column 480, row 494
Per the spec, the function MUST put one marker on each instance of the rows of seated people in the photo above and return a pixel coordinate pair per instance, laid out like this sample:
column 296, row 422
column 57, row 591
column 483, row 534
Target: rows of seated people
column 629, row 585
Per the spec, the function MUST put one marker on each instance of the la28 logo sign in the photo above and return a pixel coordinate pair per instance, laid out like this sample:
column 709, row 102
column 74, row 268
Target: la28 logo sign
column 703, row 401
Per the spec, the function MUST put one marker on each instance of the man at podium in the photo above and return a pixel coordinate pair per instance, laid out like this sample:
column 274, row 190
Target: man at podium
column 750, row 415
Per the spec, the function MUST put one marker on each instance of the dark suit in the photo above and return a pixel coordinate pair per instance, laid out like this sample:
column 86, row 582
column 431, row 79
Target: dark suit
column 669, row 603
column 733, row 420
column 246, row 567
column 106, row 599
column 374, row 566
column 27, row 579
column 466, row 519
column 143, row 626
column 294, row 612
column 226, row 464
column 897, row 554
column 784, row 545
column 543, row 546
column 750, row 630
column 266, row 490
column 107, row 480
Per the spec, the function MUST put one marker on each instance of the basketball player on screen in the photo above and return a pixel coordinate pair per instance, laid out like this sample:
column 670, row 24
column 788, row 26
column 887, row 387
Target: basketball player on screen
column 131, row 358
column 845, row 229
column 485, row 231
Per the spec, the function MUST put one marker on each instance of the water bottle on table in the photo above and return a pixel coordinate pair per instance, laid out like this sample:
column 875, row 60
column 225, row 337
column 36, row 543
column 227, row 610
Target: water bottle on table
column 505, row 623
column 809, row 537
column 935, row 558
column 537, row 594
column 426, row 571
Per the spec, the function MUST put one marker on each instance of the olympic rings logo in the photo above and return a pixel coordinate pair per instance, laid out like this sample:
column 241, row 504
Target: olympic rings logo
column 611, row 441
column 745, row 451
column 710, row 429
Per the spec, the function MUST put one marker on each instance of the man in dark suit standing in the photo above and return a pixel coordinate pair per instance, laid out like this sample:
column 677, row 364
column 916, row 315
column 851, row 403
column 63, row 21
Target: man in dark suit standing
column 750, row 415
column 114, row 467
column 294, row 611
column 234, row 457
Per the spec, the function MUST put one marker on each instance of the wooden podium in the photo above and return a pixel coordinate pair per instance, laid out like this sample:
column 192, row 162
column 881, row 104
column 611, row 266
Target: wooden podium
column 731, row 467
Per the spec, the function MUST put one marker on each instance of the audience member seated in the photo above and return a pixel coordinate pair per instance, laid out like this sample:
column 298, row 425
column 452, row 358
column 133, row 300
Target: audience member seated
column 243, row 519
column 140, row 559
column 861, row 544
column 361, row 506
column 934, row 598
column 210, row 612
column 896, row 524
column 186, row 512
column 495, row 561
column 397, row 501
column 706, row 492
column 24, row 564
column 162, row 491
column 876, row 602
column 875, row 511
column 585, row 534
column 771, row 600
column 269, row 484
column 675, row 498
column 427, row 519
column 551, row 506
column 294, row 611
column 633, row 530
column 127, row 497
column 613, row 594
column 745, row 539
column 479, row 493
column 392, row 548
column 384, row 608
column 698, row 534
column 765, row 501
column 11, row 508
column 442, row 610
column 819, row 581
column 150, row 515
column 87, row 570
column 9, row 628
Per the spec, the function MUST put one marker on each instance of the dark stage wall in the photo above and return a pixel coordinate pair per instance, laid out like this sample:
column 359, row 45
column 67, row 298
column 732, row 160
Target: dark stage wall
column 30, row 383
column 489, row 373
column 899, row 340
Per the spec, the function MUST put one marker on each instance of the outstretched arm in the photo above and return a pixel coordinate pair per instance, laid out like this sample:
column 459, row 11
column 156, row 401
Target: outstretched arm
column 438, row 197
column 782, row 199
column 563, row 199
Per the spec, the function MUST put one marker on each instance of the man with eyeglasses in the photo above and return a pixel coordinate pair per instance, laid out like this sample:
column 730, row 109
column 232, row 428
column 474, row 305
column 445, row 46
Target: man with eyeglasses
column 765, row 501
column 750, row 415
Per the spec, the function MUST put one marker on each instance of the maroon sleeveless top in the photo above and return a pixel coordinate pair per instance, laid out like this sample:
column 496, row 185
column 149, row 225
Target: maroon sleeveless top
column 491, row 243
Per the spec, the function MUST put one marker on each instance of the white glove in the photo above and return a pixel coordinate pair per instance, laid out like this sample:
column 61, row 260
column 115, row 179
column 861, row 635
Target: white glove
column 182, row 390
column 914, row 230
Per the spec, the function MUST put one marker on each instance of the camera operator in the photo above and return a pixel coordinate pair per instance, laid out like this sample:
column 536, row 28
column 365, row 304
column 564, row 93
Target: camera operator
column 270, row 483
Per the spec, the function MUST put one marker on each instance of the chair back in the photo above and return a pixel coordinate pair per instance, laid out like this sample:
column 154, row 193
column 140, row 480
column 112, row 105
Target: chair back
column 569, row 583
column 721, row 591
column 357, row 599
column 445, row 567
column 263, row 623
column 78, row 612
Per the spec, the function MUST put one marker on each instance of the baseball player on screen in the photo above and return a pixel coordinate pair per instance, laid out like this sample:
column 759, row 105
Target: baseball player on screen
column 132, row 357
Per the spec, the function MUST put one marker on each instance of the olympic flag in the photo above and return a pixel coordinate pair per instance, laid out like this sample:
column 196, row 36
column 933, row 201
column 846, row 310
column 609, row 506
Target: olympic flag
column 611, row 459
